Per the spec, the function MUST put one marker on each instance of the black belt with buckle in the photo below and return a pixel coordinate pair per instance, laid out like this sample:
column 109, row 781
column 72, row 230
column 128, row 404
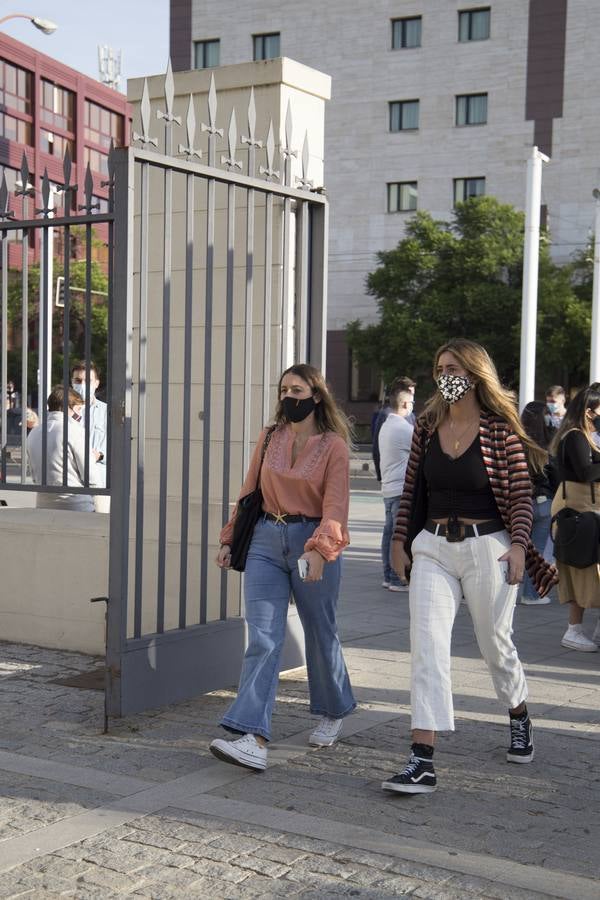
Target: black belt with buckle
column 287, row 519
column 456, row 530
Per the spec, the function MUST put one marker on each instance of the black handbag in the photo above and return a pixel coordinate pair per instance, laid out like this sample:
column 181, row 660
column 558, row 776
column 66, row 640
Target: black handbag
column 249, row 511
column 576, row 534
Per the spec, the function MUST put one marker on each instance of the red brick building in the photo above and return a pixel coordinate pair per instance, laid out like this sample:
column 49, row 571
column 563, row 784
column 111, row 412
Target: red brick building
column 46, row 107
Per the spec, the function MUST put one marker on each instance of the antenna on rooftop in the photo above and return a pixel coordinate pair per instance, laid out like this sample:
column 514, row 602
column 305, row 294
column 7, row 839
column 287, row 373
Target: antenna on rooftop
column 109, row 66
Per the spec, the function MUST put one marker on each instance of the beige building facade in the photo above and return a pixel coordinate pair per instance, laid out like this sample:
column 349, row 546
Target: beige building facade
column 432, row 101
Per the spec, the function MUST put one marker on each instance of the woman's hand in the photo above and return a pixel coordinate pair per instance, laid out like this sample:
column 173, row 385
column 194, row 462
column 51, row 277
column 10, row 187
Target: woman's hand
column 223, row 559
column 515, row 557
column 316, row 563
column 400, row 560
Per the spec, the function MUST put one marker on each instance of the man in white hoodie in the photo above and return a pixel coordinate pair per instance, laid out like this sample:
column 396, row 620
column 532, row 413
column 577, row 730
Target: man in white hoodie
column 395, row 437
column 75, row 455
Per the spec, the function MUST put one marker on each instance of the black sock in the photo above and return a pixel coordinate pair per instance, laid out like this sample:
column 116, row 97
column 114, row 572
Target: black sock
column 424, row 751
column 522, row 715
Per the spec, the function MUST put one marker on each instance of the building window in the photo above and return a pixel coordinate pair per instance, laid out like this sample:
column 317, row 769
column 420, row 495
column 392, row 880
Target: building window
column 266, row 46
column 15, row 129
column 98, row 161
column 401, row 196
column 13, row 179
column 464, row 188
column 406, row 33
column 206, row 54
column 55, row 144
column 101, row 126
column 474, row 24
column 15, row 88
column 404, row 115
column 57, row 106
column 471, row 109
column 365, row 381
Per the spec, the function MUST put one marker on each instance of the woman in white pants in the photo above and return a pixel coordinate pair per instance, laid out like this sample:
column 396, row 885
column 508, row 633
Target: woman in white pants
column 465, row 518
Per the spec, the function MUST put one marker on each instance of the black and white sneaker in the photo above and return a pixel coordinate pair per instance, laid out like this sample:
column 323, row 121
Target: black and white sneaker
column 521, row 740
column 418, row 777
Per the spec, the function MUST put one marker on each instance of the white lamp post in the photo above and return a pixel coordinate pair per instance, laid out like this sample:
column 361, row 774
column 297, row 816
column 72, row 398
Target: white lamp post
column 43, row 25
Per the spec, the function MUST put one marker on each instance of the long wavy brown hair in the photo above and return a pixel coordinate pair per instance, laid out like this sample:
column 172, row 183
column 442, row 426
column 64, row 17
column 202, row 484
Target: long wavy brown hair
column 575, row 418
column 328, row 415
column 490, row 392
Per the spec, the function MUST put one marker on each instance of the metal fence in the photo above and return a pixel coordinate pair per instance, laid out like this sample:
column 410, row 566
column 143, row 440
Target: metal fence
column 34, row 330
column 219, row 283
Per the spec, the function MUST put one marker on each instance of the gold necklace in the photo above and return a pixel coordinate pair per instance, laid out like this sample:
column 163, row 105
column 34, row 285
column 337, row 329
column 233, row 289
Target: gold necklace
column 461, row 435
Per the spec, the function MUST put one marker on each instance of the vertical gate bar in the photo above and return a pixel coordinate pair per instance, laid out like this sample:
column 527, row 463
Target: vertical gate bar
column 4, row 352
column 228, row 377
column 302, row 311
column 248, row 329
column 24, row 342
column 66, row 341
column 42, row 356
column 88, row 351
column 119, row 459
column 164, row 401
column 187, row 398
column 319, row 232
column 210, row 259
column 285, row 284
column 142, row 365
column 110, row 317
column 267, row 313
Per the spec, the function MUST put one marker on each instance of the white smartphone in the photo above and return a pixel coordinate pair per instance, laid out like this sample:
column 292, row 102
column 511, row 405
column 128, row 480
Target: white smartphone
column 303, row 568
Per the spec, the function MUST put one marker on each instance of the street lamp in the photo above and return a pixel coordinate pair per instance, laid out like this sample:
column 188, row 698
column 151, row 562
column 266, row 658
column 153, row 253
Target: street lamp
column 43, row 25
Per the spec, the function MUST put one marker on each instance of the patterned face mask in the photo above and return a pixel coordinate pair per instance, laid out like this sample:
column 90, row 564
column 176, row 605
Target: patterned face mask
column 453, row 387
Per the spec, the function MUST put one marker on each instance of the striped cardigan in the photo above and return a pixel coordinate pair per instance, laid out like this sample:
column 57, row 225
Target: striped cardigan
column 506, row 464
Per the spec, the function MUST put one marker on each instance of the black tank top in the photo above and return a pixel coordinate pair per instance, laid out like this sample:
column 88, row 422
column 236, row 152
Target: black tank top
column 460, row 485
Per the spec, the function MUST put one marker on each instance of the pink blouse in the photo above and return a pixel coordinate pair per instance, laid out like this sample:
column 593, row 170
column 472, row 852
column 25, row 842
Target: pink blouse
column 316, row 485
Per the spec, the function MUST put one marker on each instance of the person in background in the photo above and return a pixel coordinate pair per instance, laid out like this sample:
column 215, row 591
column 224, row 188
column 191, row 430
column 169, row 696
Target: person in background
column 395, row 438
column 465, row 518
column 54, row 455
column 403, row 382
column 578, row 461
column 544, row 482
column 556, row 407
column 98, row 410
column 305, row 484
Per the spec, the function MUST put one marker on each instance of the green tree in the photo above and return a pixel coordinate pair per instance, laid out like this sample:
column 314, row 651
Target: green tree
column 464, row 278
column 99, row 318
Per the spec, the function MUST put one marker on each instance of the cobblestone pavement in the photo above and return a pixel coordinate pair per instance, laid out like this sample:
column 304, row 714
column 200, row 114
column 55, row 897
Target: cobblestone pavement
column 145, row 811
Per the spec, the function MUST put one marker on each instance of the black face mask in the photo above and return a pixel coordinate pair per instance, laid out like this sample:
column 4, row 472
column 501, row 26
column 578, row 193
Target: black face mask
column 297, row 410
column 596, row 423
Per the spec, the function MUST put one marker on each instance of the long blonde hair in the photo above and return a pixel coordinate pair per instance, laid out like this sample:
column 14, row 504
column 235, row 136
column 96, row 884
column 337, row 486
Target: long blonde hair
column 328, row 415
column 491, row 395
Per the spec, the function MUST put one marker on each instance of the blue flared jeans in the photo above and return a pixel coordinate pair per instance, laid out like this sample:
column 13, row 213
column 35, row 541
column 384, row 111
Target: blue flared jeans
column 271, row 576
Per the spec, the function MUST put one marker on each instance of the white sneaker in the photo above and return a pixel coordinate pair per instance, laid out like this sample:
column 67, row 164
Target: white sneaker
column 535, row 601
column 575, row 639
column 246, row 751
column 385, row 584
column 596, row 634
column 326, row 733
column 398, row 587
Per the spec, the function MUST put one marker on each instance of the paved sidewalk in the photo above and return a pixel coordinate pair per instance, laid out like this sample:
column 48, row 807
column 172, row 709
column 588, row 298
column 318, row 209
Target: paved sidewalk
column 146, row 812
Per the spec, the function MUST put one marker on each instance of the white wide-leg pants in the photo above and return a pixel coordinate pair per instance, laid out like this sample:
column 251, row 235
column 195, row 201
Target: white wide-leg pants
column 442, row 573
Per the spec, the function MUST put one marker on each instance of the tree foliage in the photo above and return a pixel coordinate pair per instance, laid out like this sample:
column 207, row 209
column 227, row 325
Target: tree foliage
column 464, row 278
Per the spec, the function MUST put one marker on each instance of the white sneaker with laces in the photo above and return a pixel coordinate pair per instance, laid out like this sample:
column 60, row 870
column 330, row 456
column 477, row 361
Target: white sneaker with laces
column 535, row 601
column 246, row 751
column 575, row 639
column 596, row 634
column 326, row 733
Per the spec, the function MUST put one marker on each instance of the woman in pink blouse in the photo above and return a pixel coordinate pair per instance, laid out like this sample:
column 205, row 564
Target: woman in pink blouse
column 305, row 485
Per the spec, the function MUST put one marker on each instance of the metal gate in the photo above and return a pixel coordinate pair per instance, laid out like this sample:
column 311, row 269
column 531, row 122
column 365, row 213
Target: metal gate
column 219, row 283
